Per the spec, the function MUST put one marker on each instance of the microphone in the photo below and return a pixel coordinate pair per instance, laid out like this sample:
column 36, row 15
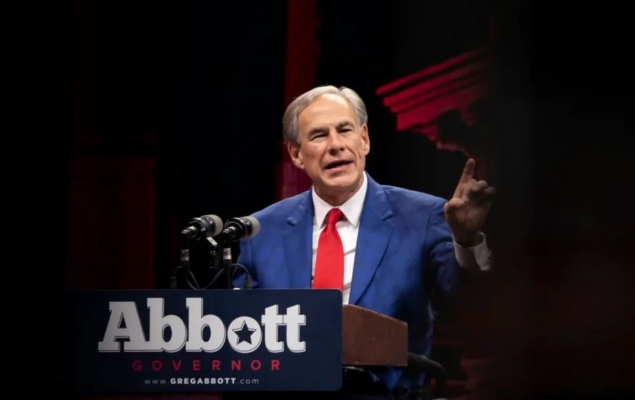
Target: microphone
column 205, row 226
column 241, row 228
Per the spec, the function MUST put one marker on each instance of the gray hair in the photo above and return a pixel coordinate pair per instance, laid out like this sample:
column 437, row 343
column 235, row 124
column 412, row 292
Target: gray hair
column 290, row 122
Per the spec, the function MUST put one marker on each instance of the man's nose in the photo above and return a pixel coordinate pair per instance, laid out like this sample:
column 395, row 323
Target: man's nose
column 335, row 141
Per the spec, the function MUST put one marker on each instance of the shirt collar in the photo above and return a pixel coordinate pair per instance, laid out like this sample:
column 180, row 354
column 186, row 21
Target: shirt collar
column 352, row 208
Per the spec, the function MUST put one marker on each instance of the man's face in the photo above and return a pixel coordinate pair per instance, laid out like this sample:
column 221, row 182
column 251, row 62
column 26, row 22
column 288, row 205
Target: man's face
column 332, row 148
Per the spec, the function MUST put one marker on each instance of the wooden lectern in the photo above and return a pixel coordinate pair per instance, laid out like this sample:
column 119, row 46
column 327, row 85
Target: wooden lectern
column 373, row 339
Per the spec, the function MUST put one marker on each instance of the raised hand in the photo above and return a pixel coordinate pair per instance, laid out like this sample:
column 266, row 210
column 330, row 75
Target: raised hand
column 467, row 210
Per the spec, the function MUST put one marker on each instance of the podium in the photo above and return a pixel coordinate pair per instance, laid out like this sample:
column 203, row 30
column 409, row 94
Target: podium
column 371, row 339
column 184, row 343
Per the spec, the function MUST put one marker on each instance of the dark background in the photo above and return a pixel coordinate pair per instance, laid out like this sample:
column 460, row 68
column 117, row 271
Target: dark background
column 165, row 112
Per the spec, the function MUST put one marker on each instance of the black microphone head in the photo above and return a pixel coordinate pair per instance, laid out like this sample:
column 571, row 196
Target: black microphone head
column 254, row 226
column 213, row 224
column 205, row 226
column 241, row 228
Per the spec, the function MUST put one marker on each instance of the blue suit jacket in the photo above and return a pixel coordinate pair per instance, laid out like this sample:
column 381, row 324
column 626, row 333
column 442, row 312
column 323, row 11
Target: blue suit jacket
column 404, row 259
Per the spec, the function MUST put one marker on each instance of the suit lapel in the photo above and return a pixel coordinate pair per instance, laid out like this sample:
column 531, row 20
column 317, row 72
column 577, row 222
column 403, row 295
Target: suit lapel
column 374, row 234
column 298, row 243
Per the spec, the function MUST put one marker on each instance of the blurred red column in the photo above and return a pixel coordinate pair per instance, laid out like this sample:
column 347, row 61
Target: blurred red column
column 303, row 52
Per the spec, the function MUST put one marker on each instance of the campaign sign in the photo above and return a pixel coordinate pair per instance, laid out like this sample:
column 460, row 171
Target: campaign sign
column 204, row 340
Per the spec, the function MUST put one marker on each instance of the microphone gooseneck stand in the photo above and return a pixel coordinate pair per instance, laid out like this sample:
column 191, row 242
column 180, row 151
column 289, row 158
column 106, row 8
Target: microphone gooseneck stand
column 222, row 258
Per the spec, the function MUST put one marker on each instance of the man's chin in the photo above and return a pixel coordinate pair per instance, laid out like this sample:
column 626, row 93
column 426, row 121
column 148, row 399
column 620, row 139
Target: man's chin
column 344, row 182
column 339, row 180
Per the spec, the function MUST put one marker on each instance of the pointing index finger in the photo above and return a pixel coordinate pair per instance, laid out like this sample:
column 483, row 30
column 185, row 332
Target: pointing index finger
column 468, row 171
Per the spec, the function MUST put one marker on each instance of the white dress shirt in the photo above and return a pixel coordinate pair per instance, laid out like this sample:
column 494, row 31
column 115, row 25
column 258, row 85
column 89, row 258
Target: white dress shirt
column 348, row 229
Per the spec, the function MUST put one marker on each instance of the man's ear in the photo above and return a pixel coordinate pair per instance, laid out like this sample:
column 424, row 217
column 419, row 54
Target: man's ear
column 365, row 139
column 294, row 152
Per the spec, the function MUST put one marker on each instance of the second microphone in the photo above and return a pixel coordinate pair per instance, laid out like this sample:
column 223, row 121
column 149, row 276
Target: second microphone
column 241, row 228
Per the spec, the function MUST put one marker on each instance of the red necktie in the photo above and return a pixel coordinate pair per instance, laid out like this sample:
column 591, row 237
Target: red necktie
column 329, row 263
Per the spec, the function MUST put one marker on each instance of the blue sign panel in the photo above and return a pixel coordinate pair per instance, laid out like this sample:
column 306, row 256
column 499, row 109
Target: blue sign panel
column 204, row 340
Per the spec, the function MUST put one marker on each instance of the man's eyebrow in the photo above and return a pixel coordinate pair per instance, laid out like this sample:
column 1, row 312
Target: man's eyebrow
column 344, row 124
column 317, row 129
column 321, row 129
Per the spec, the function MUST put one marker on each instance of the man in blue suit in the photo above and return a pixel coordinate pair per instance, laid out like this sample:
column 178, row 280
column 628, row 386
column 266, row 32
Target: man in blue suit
column 402, row 249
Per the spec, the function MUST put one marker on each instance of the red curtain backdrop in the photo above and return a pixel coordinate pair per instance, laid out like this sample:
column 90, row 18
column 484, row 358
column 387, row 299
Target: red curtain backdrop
column 303, row 51
column 111, row 197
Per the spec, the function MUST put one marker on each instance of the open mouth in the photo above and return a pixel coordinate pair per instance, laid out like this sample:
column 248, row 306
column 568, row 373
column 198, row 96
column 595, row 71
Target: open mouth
column 337, row 164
